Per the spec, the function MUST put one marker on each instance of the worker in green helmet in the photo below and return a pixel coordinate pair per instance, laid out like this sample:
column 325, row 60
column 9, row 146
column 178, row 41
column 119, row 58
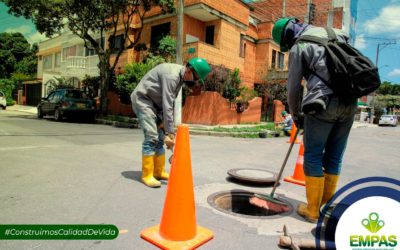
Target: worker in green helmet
column 153, row 103
column 287, row 122
column 325, row 119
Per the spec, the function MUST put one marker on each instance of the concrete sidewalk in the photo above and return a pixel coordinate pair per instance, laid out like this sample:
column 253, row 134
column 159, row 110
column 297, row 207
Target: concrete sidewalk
column 23, row 108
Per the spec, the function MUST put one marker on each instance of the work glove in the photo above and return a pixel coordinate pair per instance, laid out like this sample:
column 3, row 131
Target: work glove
column 299, row 121
column 169, row 140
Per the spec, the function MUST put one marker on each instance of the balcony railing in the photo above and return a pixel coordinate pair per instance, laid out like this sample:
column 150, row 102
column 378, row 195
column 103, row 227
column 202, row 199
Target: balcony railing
column 277, row 74
column 79, row 66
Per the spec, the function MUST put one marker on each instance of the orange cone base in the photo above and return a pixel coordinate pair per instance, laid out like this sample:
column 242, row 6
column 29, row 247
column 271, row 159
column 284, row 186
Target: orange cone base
column 153, row 236
column 295, row 181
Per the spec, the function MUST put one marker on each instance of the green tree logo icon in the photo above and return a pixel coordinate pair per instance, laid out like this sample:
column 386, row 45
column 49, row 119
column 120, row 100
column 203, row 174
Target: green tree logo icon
column 373, row 224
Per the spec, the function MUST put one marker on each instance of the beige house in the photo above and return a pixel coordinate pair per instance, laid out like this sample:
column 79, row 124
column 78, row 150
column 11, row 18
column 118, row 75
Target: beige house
column 65, row 57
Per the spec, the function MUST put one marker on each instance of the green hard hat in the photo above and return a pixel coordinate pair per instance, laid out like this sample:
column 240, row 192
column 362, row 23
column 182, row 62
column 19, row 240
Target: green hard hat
column 201, row 67
column 277, row 32
column 283, row 113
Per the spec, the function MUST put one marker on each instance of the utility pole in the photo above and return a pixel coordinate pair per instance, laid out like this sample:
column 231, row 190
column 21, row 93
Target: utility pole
column 283, row 8
column 331, row 13
column 179, row 60
column 378, row 49
column 307, row 17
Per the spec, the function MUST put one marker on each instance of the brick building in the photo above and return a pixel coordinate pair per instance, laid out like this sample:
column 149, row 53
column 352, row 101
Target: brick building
column 236, row 34
column 232, row 33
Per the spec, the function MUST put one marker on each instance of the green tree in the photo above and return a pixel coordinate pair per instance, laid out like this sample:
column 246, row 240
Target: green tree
column 16, row 55
column 89, row 18
column 28, row 65
column 388, row 88
column 389, row 101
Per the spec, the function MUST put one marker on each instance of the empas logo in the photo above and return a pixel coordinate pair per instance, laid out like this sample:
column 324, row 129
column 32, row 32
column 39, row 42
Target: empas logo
column 373, row 224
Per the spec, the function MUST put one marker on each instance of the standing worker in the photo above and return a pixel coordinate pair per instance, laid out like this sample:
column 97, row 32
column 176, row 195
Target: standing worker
column 153, row 103
column 327, row 120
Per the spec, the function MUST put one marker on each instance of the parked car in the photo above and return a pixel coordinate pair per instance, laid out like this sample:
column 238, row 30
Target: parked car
column 3, row 101
column 66, row 103
column 388, row 120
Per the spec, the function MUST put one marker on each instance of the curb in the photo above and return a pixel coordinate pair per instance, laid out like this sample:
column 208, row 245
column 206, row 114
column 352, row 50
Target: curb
column 135, row 125
column 118, row 124
column 261, row 134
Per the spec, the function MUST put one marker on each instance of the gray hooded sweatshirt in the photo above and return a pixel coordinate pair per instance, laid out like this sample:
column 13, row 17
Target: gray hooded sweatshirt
column 302, row 57
column 157, row 91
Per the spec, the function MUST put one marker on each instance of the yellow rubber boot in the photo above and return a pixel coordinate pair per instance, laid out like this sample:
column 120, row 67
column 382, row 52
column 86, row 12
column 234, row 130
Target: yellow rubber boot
column 147, row 171
column 159, row 168
column 330, row 185
column 314, row 192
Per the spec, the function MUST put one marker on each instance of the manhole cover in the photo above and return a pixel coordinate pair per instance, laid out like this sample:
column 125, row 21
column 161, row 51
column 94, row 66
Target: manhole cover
column 258, row 176
column 236, row 202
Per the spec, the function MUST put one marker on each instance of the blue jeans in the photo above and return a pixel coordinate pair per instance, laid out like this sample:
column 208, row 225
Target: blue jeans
column 325, row 138
column 153, row 136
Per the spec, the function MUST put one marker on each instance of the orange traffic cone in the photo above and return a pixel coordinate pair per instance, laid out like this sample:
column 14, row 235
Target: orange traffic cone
column 298, row 175
column 178, row 229
column 292, row 133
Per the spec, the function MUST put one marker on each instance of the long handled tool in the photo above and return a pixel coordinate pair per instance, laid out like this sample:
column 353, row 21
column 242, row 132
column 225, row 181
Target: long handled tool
column 261, row 200
column 170, row 158
column 286, row 240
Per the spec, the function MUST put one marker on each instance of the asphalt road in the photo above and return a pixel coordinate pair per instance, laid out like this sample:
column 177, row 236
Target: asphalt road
column 75, row 173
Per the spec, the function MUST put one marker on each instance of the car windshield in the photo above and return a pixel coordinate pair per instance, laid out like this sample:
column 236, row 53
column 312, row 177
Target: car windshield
column 76, row 94
column 387, row 116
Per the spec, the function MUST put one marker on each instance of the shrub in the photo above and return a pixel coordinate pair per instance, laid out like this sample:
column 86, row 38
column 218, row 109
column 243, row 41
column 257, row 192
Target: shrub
column 246, row 94
column 91, row 85
column 223, row 81
column 167, row 48
column 134, row 72
column 7, row 86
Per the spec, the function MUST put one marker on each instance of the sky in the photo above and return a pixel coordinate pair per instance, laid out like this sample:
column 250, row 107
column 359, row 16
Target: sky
column 9, row 23
column 378, row 22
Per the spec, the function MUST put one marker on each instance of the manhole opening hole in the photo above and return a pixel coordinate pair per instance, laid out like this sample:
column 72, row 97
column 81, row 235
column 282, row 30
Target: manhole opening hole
column 236, row 202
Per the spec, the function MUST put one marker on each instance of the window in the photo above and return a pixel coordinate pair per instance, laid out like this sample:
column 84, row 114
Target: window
column 76, row 94
column 76, row 50
column 116, row 42
column 158, row 32
column 210, row 34
column 47, row 62
column 281, row 60
column 57, row 60
column 69, row 51
column 90, row 51
column 58, row 96
column 273, row 59
column 51, row 96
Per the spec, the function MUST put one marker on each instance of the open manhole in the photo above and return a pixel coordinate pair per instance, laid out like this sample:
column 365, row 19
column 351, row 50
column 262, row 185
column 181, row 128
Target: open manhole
column 236, row 202
column 253, row 175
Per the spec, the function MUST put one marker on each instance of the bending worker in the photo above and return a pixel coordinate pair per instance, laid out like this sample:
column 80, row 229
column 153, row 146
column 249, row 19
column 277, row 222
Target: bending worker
column 287, row 122
column 327, row 120
column 153, row 103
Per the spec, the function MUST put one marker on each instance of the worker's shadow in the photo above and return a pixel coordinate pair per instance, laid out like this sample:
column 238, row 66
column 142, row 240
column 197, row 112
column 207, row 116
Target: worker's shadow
column 132, row 175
